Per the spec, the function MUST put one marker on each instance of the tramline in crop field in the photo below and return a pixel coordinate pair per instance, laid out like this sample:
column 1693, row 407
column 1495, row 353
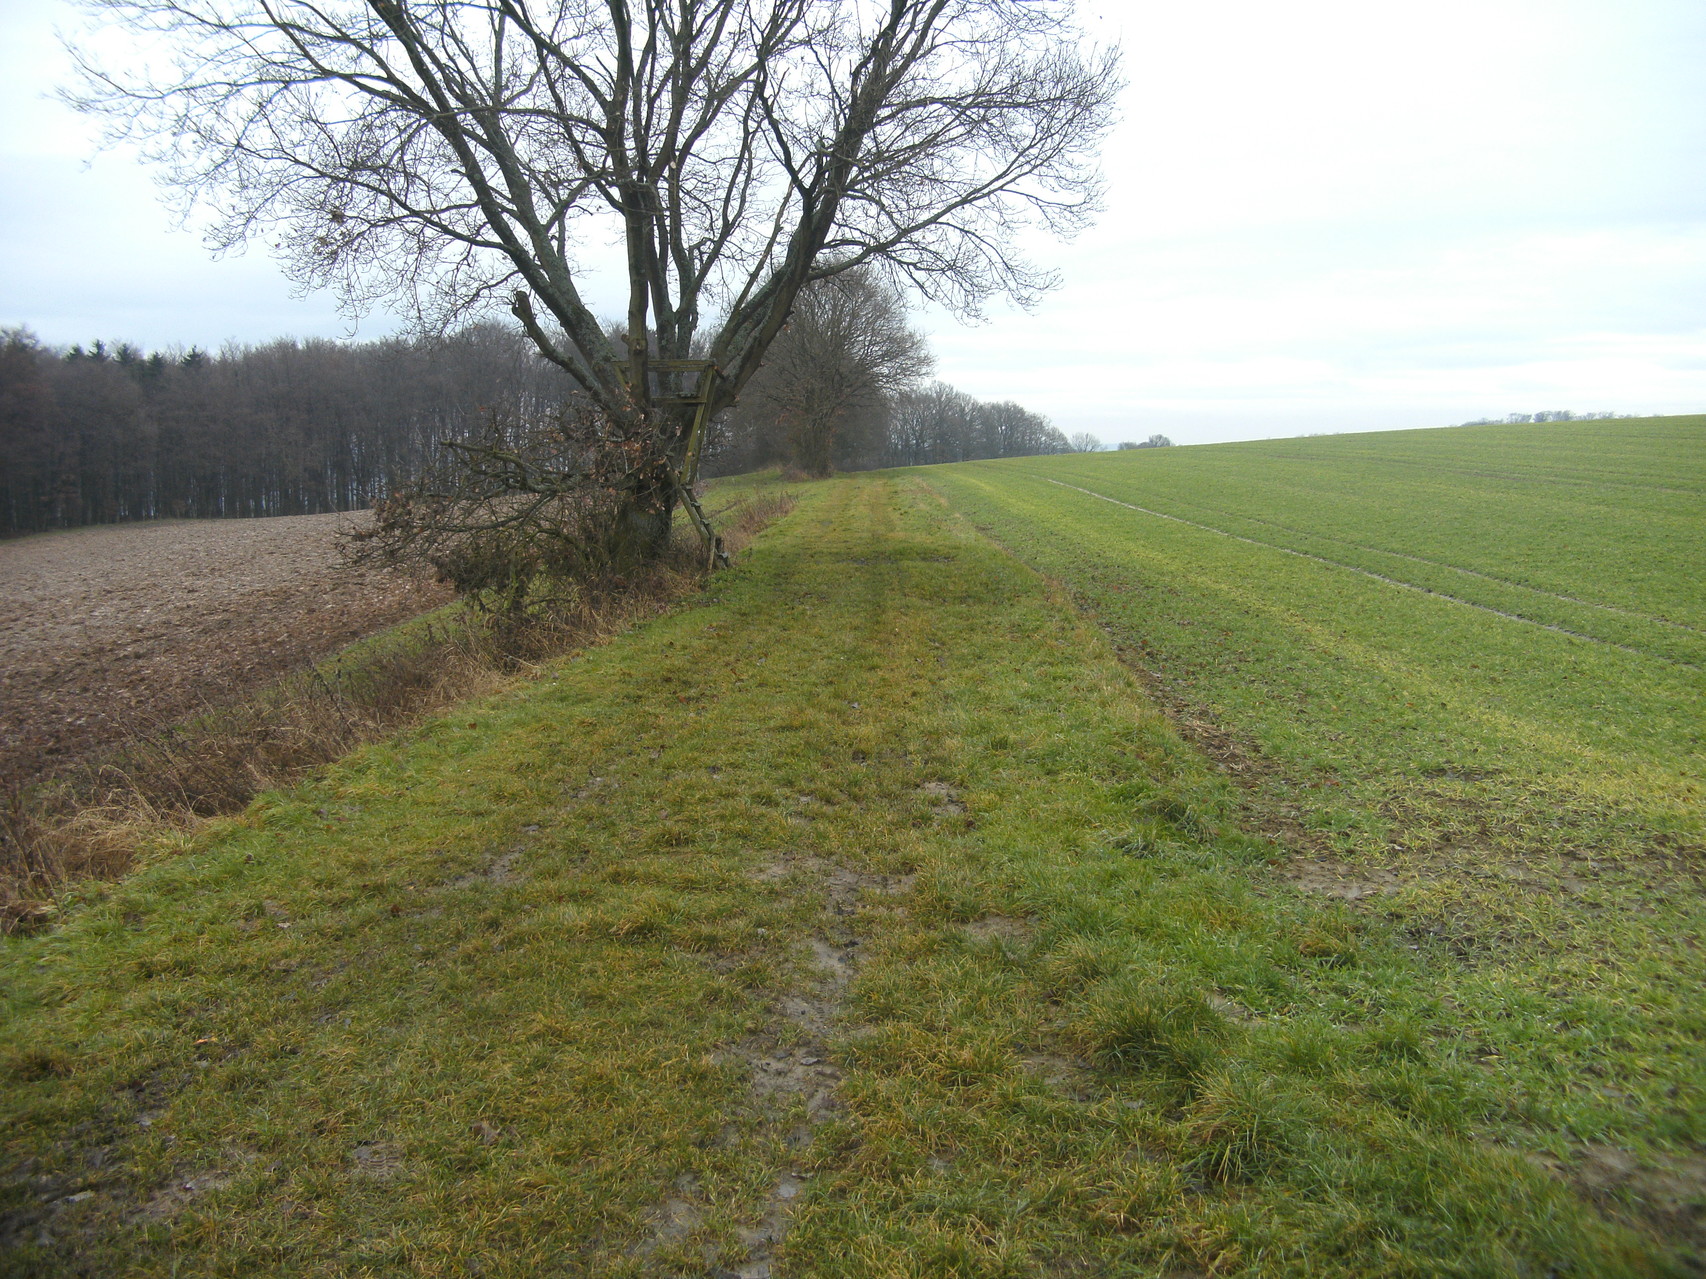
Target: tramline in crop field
column 1426, row 620
column 1458, row 676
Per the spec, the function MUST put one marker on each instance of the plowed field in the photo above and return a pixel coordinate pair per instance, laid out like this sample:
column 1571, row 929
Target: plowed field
column 105, row 631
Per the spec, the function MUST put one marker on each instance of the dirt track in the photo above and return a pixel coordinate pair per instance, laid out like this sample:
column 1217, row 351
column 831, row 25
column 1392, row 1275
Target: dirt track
column 104, row 631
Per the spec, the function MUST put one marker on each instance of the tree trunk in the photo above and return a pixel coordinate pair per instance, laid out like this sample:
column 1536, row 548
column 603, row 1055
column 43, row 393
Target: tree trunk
column 814, row 443
column 645, row 519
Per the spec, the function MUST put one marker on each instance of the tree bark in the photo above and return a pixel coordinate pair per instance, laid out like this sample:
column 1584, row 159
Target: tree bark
column 814, row 441
column 646, row 519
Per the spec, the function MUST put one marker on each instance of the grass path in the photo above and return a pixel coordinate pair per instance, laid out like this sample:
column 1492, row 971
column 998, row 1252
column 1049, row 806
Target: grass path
column 861, row 920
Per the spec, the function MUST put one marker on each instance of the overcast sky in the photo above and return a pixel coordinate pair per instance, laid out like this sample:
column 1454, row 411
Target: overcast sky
column 1322, row 216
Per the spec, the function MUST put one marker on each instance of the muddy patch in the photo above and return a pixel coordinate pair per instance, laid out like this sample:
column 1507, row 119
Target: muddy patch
column 845, row 891
column 1005, row 930
column 173, row 1198
column 1326, row 877
column 790, row 1065
column 793, row 1079
column 1070, row 1077
column 945, row 800
column 376, row 1161
column 57, row 1211
column 498, row 869
column 1666, row 1193
column 673, row 1221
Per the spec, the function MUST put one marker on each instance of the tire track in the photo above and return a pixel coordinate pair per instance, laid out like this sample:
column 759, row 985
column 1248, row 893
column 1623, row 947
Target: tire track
column 1379, row 577
column 1455, row 568
column 1580, row 479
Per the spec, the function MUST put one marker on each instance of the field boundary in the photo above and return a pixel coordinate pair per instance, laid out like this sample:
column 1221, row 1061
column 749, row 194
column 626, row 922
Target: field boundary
column 154, row 790
column 1379, row 577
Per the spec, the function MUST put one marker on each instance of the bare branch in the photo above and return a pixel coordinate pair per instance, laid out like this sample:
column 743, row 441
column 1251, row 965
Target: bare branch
column 454, row 155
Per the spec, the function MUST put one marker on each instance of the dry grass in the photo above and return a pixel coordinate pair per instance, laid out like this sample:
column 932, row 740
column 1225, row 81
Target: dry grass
column 744, row 519
column 93, row 822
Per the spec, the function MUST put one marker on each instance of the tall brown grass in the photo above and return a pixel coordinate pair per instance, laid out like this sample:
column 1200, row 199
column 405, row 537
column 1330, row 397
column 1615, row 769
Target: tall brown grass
column 93, row 821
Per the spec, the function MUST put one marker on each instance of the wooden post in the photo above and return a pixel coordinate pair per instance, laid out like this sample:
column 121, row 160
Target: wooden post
column 689, row 473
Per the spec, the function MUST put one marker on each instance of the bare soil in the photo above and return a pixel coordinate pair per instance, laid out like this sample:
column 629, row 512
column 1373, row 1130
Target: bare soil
column 110, row 631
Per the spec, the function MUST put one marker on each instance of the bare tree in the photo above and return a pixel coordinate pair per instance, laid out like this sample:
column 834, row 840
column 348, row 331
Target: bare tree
column 450, row 154
column 936, row 424
column 1084, row 442
column 845, row 350
column 1014, row 431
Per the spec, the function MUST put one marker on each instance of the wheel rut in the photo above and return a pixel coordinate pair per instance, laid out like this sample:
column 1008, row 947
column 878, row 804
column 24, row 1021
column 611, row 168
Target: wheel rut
column 793, row 1079
column 1390, row 581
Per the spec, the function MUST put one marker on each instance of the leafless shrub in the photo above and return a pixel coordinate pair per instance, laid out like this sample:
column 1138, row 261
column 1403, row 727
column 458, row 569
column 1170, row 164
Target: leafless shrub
column 525, row 519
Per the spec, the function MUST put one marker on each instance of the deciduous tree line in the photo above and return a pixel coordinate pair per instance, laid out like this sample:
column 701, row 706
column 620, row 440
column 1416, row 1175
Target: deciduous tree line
column 105, row 434
column 918, row 426
column 98, row 435
column 842, row 388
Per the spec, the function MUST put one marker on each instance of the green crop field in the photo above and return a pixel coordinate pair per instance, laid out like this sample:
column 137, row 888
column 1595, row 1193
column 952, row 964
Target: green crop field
column 1458, row 629
column 1457, row 674
column 1293, row 874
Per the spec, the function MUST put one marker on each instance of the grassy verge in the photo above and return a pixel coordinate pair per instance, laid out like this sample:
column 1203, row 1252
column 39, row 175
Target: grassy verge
column 861, row 919
column 146, row 795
